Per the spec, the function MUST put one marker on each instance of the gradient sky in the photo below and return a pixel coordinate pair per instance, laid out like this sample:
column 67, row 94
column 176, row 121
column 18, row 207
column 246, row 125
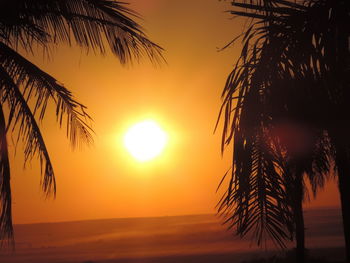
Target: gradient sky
column 103, row 181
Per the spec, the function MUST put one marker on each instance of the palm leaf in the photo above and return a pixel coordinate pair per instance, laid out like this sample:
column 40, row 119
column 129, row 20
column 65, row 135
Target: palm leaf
column 41, row 87
column 92, row 24
column 28, row 130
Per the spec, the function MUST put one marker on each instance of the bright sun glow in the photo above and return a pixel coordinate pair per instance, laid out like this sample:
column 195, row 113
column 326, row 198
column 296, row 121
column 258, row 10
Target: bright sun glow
column 145, row 140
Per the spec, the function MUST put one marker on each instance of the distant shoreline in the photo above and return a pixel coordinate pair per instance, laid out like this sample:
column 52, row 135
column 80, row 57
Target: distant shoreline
column 163, row 239
column 318, row 208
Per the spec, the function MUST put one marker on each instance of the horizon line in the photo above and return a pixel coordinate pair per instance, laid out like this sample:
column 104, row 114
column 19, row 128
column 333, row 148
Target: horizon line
column 155, row 216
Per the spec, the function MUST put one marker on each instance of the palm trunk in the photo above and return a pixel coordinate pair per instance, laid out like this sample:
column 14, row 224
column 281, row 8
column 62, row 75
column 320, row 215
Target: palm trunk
column 6, row 228
column 342, row 159
column 343, row 163
column 340, row 133
column 295, row 188
column 299, row 218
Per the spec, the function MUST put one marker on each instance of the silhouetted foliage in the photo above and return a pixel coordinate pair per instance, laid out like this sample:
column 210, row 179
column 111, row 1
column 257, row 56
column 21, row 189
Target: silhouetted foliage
column 281, row 106
column 36, row 25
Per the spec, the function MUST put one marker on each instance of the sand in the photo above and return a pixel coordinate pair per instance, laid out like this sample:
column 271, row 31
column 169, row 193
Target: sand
column 195, row 238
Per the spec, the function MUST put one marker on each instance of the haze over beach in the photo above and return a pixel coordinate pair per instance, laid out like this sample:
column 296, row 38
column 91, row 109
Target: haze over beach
column 110, row 149
column 191, row 238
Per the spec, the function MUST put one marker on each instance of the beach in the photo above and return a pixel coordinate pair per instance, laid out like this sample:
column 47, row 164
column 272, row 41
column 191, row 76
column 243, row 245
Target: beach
column 169, row 239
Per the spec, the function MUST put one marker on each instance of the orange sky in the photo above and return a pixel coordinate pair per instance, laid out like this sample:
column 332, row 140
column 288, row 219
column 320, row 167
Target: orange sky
column 184, row 97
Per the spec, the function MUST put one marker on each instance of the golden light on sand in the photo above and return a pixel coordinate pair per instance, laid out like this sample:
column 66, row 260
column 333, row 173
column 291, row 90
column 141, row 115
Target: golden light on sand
column 145, row 140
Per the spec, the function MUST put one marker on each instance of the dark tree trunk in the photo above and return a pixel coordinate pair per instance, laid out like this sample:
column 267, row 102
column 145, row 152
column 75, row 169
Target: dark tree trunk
column 295, row 187
column 343, row 164
column 299, row 218
column 6, row 228
column 340, row 132
column 341, row 142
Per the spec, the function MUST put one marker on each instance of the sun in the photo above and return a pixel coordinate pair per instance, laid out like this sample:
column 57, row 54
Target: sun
column 145, row 140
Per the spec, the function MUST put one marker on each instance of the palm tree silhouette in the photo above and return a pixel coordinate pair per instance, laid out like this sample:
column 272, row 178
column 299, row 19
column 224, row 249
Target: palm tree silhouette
column 34, row 25
column 292, row 69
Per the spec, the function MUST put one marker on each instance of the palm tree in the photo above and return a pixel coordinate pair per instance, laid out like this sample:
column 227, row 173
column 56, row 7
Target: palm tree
column 299, row 161
column 26, row 90
column 284, row 74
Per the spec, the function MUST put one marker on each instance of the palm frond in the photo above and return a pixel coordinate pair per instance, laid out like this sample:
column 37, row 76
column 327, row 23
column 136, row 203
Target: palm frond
column 256, row 198
column 41, row 87
column 92, row 24
column 28, row 130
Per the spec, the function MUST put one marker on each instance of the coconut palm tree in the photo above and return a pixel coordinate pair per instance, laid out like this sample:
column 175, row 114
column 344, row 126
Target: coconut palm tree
column 289, row 58
column 32, row 26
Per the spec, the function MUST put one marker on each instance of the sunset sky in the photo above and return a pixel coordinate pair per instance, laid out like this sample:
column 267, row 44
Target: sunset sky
column 183, row 96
